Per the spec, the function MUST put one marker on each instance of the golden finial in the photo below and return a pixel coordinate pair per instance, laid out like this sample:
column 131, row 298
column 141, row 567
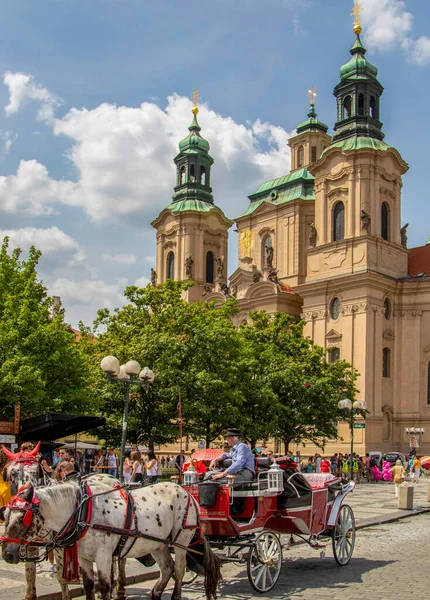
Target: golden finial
column 312, row 95
column 195, row 97
column 356, row 13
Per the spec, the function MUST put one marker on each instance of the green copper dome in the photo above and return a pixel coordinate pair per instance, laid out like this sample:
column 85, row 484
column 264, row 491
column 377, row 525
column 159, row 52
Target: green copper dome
column 358, row 67
column 194, row 141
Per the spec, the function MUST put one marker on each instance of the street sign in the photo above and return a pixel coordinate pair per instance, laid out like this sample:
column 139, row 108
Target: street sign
column 7, row 439
column 359, row 425
column 201, row 444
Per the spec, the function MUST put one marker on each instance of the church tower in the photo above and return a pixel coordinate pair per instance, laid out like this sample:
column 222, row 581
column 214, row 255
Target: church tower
column 353, row 271
column 192, row 232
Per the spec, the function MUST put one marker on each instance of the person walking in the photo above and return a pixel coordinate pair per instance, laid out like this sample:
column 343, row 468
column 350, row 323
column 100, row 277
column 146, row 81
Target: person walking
column 325, row 465
column 333, row 464
column 127, row 468
column 112, row 463
column 151, row 465
column 317, row 463
column 136, row 473
column 399, row 473
column 417, row 469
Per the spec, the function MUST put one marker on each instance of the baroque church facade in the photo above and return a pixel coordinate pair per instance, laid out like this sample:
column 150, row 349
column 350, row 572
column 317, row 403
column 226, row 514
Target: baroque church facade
column 323, row 243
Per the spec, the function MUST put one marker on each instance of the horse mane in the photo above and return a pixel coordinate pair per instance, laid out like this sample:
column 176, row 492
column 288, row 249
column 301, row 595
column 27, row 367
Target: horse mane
column 56, row 496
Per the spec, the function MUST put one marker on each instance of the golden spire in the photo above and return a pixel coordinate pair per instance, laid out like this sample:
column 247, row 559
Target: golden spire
column 312, row 95
column 356, row 13
column 195, row 96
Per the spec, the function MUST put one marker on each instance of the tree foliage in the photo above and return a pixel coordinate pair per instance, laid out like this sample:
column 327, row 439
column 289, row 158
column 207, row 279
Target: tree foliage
column 42, row 368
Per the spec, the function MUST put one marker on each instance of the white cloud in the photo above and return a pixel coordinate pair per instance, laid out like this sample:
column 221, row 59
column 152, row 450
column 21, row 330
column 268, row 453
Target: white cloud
column 121, row 259
column 388, row 25
column 123, row 157
column 141, row 282
column 22, row 88
column 53, row 243
column 32, row 191
column 7, row 138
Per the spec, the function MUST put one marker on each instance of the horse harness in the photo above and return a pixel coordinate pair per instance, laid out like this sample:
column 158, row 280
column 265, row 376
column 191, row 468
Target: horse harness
column 80, row 521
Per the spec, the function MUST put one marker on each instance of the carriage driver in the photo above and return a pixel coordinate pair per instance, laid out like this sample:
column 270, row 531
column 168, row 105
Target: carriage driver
column 243, row 461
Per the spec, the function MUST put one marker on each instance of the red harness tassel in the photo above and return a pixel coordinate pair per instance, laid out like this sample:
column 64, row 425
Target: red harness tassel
column 71, row 565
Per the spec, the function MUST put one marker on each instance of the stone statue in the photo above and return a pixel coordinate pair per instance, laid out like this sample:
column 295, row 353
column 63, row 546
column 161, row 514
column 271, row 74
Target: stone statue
column 403, row 236
column 312, row 235
column 207, row 289
column 365, row 221
column 273, row 276
column 268, row 256
column 220, row 267
column 153, row 277
column 225, row 289
column 256, row 276
column 189, row 266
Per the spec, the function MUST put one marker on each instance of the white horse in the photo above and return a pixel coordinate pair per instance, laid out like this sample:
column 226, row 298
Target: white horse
column 164, row 514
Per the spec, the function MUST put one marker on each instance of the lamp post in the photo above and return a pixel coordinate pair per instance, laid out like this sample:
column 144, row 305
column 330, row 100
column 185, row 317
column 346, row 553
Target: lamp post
column 129, row 374
column 414, row 437
column 349, row 411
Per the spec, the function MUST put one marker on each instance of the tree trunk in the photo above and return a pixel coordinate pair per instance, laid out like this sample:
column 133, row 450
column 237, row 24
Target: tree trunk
column 286, row 444
column 253, row 444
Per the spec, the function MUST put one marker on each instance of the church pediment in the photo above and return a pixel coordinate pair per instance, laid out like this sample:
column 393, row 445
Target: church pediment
column 261, row 289
column 333, row 338
column 388, row 334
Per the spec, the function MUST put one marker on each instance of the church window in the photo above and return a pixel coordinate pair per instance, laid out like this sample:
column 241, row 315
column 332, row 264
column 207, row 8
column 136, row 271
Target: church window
column 301, row 156
column 347, row 107
column 313, row 154
column 335, row 309
column 192, row 174
column 209, row 267
column 372, row 108
column 333, row 355
column 361, row 104
column 387, row 308
column 171, row 265
column 385, row 214
column 428, row 383
column 386, row 360
column 267, row 252
column 182, row 176
column 202, row 175
column 338, row 222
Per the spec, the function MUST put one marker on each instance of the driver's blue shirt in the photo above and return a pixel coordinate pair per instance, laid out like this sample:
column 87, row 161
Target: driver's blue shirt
column 242, row 458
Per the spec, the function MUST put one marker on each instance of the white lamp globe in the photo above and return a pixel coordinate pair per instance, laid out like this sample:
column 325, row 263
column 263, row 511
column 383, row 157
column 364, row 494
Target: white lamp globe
column 132, row 367
column 110, row 365
column 146, row 375
column 123, row 375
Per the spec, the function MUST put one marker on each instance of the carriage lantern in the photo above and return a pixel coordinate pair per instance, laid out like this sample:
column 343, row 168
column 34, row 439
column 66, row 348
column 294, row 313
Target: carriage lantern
column 191, row 477
column 275, row 479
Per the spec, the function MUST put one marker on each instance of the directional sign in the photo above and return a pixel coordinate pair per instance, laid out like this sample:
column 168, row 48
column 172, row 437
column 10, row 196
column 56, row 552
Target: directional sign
column 359, row 425
column 201, row 444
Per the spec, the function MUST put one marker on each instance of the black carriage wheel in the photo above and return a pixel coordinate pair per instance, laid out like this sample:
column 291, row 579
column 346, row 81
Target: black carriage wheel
column 264, row 562
column 344, row 536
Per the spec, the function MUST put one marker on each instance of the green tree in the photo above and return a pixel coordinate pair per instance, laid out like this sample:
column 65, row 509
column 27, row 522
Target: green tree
column 42, row 368
column 193, row 350
column 302, row 388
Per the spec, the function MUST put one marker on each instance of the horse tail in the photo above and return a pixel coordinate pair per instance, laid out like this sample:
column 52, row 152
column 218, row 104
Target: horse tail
column 212, row 567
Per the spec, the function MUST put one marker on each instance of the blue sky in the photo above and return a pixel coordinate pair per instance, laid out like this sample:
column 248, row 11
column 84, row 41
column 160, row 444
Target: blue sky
column 96, row 96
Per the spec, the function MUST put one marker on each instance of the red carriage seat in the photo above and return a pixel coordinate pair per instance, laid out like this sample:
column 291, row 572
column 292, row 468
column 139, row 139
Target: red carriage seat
column 320, row 480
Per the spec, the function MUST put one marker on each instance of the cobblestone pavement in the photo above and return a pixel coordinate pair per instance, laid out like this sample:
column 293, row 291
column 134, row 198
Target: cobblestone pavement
column 390, row 562
column 371, row 504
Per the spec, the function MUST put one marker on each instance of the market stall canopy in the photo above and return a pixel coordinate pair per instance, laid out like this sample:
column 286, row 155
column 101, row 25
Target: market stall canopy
column 52, row 426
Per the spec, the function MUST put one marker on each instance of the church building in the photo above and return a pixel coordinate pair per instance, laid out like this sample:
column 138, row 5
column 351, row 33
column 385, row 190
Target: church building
column 324, row 243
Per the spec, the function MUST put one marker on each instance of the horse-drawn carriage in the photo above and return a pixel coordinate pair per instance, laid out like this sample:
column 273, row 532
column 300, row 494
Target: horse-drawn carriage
column 99, row 519
column 277, row 502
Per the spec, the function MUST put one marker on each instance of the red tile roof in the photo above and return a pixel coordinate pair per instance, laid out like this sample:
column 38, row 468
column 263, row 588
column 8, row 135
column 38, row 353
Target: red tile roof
column 419, row 261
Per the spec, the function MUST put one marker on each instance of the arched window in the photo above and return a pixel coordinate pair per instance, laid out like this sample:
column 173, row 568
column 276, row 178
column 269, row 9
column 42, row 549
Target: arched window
column 386, row 362
column 347, row 107
column 338, row 222
column 385, row 215
column 171, row 265
column 333, row 355
column 209, row 267
column 372, row 108
column 428, row 383
column 267, row 252
column 335, row 309
column 202, row 175
column 313, row 154
column 192, row 174
column 387, row 309
column 182, row 176
column 300, row 156
column 361, row 104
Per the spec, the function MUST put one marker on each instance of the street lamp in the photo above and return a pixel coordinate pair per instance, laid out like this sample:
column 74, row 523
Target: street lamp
column 349, row 411
column 414, row 437
column 129, row 374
